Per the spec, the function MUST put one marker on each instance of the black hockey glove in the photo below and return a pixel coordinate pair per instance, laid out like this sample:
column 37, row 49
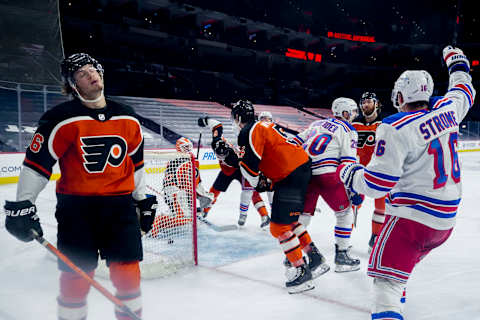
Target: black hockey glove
column 203, row 122
column 21, row 218
column 147, row 209
column 264, row 184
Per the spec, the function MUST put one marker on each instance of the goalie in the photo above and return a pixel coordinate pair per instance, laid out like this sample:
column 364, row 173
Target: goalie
column 176, row 184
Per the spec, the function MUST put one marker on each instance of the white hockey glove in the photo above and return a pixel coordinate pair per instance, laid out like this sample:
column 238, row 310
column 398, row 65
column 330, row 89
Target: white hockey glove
column 346, row 172
column 305, row 218
column 455, row 60
column 205, row 198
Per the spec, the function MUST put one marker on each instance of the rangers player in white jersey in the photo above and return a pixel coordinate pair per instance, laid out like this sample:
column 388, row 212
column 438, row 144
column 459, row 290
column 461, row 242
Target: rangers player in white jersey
column 416, row 164
column 330, row 142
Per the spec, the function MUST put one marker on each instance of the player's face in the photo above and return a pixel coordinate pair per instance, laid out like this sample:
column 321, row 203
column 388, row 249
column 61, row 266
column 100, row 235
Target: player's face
column 88, row 81
column 368, row 106
column 266, row 119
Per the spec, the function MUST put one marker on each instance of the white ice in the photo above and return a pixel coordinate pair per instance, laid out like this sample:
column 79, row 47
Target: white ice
column 445, row 285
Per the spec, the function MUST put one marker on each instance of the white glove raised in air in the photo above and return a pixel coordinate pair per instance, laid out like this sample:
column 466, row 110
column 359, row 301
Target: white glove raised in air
column 455, row 59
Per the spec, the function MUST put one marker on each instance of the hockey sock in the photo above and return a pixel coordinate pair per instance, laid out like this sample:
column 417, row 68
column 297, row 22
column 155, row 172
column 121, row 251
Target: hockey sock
column 215, row 196
column 343, row 228
column 259, row 204
column 387, row 299
column 378, row 217
column 72, row 301
column 125, row 277
column 288, row 241
column 303, row 236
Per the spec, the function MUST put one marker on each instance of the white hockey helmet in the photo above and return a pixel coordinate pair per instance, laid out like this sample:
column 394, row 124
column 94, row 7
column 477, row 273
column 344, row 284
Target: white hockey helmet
column 265, row 115
column 414, row 85
column 342, row 105
column 184, row 145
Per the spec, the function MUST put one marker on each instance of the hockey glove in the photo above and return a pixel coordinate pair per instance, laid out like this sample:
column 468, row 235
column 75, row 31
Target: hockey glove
column 346, row 172
column 21, row 218
column 147, row 209
column 356, row 198
column 203, row 122
column 264, row 184
column 455, row 60
column 305, row 218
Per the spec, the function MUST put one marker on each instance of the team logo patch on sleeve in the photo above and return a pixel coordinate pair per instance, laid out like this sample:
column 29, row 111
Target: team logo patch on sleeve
column 102, row 150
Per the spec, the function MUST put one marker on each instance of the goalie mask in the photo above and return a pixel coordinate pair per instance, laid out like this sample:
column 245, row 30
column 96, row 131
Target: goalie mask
column 243, row 112
column 184, row 145
column 344, row 108
column 414, row 86
column 71, row 65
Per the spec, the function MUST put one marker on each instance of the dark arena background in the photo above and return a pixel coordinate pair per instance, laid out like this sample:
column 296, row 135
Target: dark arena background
column 175, row 60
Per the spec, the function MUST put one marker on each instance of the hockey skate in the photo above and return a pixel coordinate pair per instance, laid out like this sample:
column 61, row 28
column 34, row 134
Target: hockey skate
column 371, row 243
column 242, row 219
column 265, row 221
column 316, row 262
column 300, row 280
column 343, row 261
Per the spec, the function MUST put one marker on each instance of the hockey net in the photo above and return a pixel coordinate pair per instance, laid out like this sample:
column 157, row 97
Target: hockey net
column 171, row 245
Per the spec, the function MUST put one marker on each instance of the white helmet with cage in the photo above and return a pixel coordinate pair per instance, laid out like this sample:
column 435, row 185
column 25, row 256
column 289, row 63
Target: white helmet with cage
column 265, row 116
column 414, row 86
column 344, row 108
column 184, row 145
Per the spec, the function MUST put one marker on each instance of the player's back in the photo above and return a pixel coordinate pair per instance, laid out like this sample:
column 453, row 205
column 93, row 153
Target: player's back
column 328, row 142
column 426, row 152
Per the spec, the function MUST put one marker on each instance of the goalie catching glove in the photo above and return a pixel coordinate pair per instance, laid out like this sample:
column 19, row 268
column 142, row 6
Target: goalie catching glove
column 146, row 209
column 21, row 219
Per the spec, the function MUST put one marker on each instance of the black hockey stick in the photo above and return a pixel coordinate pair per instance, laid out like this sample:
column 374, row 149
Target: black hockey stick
column 85, row 276
column 198, row 145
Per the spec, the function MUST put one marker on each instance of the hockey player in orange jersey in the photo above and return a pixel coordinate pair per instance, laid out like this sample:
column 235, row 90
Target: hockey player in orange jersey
column 229, row 171
column 98, row 144
column 366, row 125
column 270, row 162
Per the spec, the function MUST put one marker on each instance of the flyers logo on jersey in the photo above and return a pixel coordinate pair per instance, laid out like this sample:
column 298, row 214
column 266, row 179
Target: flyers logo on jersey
column 102, row 150
column 365, row 138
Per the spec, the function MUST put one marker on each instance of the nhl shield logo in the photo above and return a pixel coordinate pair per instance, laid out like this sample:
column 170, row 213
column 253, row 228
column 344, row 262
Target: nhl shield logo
column 101, row 117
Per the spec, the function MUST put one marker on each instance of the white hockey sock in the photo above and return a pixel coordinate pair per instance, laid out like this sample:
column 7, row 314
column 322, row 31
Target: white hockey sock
column 343, row 228
column 387, row 295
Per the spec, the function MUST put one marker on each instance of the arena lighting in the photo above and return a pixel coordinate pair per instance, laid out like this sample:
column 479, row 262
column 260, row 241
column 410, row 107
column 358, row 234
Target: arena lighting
column 475, row 63
column 303, row 55
column 351, row 37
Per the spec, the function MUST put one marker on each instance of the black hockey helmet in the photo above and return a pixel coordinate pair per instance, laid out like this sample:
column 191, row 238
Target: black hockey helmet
column 243, row 111
column 76, row 61
column 368, row 95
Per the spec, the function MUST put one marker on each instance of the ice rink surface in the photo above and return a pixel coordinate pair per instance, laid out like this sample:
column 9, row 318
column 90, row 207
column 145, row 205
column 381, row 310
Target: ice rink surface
column 241, row 276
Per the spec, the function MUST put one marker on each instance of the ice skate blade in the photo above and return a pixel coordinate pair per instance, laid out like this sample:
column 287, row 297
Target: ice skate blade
column 344, row 268
column 322, row 269
column 306, row 286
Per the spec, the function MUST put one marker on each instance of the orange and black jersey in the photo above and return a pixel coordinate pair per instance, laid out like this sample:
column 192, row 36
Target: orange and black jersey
column 98, row 150
column 366, row 136
column 265, row 147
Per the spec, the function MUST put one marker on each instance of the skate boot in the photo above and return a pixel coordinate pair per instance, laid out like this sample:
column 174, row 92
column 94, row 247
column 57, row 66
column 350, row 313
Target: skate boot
column 288, row 264
column 242, row 219
column 343, row 261
column 265, row 221
column 300, row 280
column 316, row 262
column 371, row 243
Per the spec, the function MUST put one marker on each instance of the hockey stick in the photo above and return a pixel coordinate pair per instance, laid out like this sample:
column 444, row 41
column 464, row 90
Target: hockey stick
column 228, row 227
column 85, row 276
column 198, row 145
column 355, row 213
